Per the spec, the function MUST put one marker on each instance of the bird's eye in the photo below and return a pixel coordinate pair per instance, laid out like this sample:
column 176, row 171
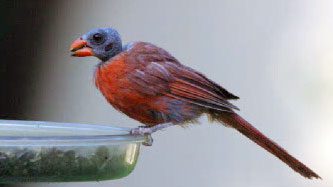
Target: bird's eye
column 98, row 38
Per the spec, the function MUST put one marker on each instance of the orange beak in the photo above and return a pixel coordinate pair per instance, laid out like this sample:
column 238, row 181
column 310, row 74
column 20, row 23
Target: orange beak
column 79, row 48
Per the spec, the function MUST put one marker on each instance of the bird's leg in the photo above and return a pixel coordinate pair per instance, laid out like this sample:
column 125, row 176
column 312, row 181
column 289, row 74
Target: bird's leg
column 147, row 131
column 160, row 127
column 142, row 130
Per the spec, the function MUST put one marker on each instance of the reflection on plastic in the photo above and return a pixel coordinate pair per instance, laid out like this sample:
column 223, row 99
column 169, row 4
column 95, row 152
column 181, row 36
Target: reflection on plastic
column 130, row 155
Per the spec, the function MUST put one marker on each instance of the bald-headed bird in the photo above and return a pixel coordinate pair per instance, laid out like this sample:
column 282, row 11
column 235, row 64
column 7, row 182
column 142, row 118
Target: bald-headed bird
column 148, row 84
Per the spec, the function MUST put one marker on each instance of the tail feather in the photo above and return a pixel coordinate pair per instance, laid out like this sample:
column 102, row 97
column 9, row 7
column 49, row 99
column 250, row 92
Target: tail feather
column 244, row 127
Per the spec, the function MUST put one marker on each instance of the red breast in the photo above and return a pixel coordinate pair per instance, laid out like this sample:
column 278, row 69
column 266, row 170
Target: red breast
column 111, row 79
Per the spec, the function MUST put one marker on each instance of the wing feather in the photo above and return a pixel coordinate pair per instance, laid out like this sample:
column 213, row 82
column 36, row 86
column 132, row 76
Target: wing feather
column 158, row 73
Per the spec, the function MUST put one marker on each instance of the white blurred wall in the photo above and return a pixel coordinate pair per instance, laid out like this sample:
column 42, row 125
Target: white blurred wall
column 276, row 55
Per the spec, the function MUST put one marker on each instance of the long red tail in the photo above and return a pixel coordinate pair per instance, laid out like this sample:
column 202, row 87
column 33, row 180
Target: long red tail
column 244, row 127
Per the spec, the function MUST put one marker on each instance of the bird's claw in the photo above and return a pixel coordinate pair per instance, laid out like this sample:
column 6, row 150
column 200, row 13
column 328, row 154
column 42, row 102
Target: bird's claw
column 141, row 131
column 147, row 131
column 144, row 131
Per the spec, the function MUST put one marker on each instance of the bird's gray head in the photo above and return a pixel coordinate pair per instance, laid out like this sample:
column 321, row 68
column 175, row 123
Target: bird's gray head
column 103, row 43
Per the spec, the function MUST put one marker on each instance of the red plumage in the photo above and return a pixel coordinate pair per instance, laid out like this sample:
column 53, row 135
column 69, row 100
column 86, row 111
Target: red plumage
column 149, row 85
column 146, row 79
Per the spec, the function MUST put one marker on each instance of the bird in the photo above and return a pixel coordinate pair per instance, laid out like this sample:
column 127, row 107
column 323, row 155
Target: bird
column 148, row 84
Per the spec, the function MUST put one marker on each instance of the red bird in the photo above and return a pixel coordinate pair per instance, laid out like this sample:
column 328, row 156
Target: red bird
column 151, row 86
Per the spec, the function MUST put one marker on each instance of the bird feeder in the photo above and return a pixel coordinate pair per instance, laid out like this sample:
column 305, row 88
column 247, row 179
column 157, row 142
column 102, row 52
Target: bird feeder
column 32, row 151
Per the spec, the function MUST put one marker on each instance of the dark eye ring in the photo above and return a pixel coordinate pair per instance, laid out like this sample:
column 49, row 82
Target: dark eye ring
column 98, row 37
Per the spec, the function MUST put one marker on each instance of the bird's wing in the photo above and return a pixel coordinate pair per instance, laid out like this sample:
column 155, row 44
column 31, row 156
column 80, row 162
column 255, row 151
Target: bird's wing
column 155, row 72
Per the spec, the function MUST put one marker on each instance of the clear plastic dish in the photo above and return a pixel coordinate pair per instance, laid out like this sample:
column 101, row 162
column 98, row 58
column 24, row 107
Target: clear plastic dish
column 32, row 151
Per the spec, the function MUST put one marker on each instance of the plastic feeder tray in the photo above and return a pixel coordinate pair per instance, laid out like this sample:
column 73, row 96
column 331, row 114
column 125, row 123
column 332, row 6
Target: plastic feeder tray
column 32, row 151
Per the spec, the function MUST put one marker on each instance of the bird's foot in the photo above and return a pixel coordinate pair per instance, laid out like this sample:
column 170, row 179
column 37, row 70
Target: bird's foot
column 144, row 131
column 141, row 130
column 147, row 131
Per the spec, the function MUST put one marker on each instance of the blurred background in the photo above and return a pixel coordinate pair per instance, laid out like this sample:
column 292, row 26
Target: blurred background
column 276, row 55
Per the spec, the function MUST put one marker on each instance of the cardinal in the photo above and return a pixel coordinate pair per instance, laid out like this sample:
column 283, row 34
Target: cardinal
column 148, row 84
